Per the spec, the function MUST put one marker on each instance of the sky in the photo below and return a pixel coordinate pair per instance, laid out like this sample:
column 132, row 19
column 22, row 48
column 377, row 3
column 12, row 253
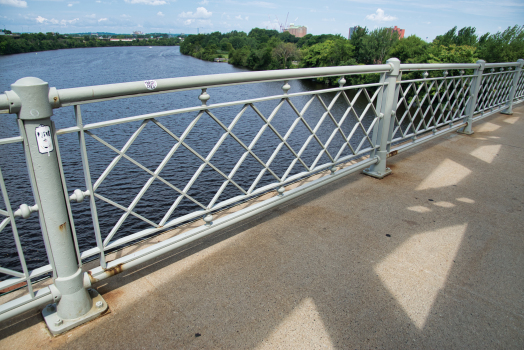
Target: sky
column 423, row 18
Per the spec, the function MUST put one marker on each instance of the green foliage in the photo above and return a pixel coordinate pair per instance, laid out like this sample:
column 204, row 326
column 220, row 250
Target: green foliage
column 328, row 53
column 376, row 45
column 12, row 44
column 507, row 46
column 465, row 36
column 410, row 50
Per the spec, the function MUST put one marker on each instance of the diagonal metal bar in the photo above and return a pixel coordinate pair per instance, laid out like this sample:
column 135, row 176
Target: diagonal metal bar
column 4, row 223
column 11, row 272
column 279, row 146
column 248, row 149
column 14, row 230
column 211, row 153
column 138, row 164
column 127, row 210
column 120, row 155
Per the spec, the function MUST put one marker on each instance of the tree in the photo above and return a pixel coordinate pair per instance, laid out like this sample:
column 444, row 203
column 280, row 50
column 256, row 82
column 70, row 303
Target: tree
column 507, row 46
column 356, row 40
column 465, row 36
column 376, row 45
column 285, row 51
column 328, row 53
column 410, row 50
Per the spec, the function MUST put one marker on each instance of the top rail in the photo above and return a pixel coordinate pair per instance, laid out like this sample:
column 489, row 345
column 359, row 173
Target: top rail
column 80, row 95
column 439, row 66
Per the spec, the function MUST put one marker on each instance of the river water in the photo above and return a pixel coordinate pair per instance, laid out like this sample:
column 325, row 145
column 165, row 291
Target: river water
column 96, row 66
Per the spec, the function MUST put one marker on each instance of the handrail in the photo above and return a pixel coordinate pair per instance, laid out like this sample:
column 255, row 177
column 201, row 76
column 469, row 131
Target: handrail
column 123, row 90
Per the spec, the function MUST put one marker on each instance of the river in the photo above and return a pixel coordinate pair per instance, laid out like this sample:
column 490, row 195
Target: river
column 96, row 66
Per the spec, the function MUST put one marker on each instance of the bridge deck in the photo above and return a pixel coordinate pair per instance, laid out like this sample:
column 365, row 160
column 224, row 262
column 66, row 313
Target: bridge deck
column 429, row 257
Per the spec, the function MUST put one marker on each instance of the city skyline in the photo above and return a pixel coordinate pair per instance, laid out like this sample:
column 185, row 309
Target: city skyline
column 425, row 19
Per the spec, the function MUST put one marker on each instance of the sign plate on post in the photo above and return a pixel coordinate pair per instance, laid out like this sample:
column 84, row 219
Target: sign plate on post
column 43, row 139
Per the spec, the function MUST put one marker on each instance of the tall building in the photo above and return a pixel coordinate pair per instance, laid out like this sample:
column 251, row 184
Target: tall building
column 352, row 30
column 296, row 30
column 400, row 32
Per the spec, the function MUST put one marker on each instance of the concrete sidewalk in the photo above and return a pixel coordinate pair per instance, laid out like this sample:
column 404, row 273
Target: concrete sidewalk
column 432, row 256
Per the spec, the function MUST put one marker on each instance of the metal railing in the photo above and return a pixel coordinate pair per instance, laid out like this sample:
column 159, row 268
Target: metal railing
column 362, row 124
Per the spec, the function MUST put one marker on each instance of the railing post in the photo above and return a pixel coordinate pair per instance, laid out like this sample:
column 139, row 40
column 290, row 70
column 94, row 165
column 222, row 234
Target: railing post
column 379, row 170
column 75, row 304
column 473, row 93
column 516, row 77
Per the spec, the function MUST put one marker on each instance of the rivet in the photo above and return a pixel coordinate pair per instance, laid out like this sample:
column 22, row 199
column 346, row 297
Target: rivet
column 58, row 322
column 99, row 304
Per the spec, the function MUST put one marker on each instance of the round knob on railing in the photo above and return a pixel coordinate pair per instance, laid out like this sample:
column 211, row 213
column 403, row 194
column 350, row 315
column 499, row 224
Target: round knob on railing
column 425, row 74
column 502, row 69
column 445, row 73
column 461, row 72
column 204, row 96
column 79, row 195
column 341, row 81
column 208, row 219
column 286, row 87
column 25, row 211
column 281, row 190
column 333, row 169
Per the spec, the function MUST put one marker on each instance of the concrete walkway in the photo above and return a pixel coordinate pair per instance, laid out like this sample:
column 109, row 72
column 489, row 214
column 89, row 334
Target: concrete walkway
column 429, row 257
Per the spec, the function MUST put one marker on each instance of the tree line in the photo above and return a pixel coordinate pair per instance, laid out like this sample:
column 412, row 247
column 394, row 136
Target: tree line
column 262, row 49
column 33, row 42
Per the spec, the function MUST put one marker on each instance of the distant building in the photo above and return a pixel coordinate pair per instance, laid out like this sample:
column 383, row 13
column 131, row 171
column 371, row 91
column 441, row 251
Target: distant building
column 399, row 31
column 352, row 30
column 138, row 32
column 296, row 30
column 121, row 39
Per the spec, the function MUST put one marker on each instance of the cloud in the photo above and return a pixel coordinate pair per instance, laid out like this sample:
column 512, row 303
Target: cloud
column 188, row 22
column 41, row 19
column 160, row 14
column 201, row 12
column 71, row 21
column 380, row 17
column 238, row 17
column 204, row 2
column 147, row 2
column 102, row 19
column 90, row 16
column 264, row 4
column 15, row 3
column 69, row 5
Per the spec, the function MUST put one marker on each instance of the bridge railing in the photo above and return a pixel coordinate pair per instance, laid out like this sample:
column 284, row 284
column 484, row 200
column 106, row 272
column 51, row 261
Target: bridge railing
column 230, row 152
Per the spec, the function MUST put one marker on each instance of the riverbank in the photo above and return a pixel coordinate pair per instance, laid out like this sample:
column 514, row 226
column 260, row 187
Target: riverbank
column 38, row 42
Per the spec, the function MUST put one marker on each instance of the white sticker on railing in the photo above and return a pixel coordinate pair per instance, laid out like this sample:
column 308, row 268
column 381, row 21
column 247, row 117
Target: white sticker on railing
column 43, row 139
column 150, row 84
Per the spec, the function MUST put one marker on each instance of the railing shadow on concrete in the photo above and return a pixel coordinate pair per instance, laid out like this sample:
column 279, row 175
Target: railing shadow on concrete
column 398, row 114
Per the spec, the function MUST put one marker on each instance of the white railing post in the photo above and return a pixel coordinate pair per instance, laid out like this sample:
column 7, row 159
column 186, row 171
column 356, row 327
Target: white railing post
column 473, row 93
column 74, row 303
column 516, row 77
column 379, row 169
